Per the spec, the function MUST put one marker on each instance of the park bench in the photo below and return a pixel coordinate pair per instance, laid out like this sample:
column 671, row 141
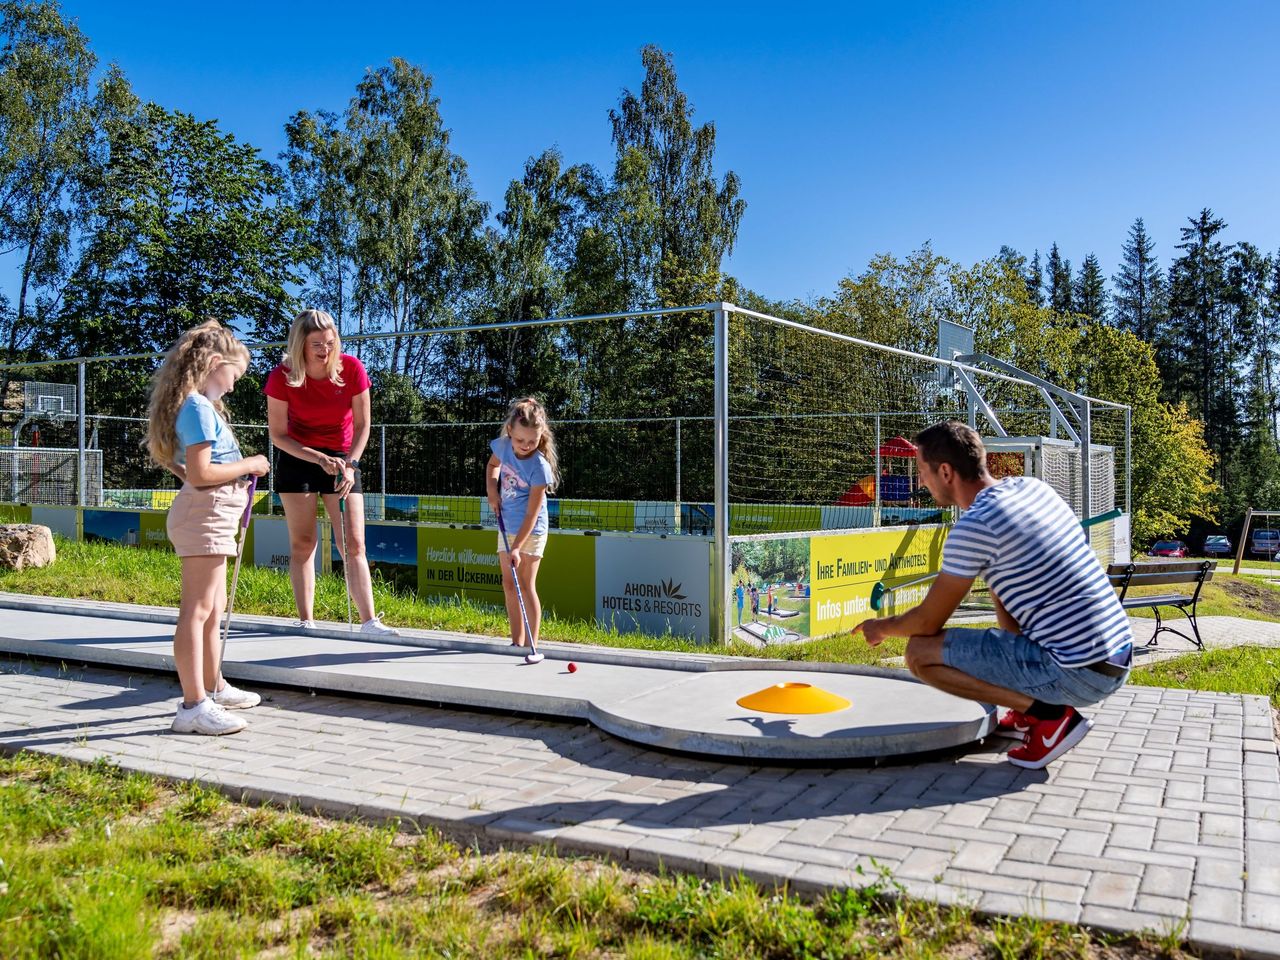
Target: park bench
column 1126, row 575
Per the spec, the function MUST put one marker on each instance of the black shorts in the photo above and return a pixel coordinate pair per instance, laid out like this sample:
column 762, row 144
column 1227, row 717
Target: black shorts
column 293, row 475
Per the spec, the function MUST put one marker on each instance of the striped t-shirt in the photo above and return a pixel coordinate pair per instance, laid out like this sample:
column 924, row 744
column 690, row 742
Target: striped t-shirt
column 1024, row 541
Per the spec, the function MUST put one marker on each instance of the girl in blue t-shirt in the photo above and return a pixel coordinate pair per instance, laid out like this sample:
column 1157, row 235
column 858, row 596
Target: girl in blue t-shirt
column 188, row 434
column 521, row 471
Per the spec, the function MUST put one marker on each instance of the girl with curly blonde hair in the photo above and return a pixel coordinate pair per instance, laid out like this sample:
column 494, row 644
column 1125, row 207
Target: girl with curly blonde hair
column 188, row 434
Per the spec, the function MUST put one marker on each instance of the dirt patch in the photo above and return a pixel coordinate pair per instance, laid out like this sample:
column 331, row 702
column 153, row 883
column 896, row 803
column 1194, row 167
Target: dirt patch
column 1253, row 596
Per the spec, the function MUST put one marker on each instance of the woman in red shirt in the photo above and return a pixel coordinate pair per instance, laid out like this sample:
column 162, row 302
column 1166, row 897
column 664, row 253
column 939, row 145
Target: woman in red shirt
column 318, row 415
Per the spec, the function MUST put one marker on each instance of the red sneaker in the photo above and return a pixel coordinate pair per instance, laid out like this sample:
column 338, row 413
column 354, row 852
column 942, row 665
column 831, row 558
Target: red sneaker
column 1047, row 740
column 1013, row 725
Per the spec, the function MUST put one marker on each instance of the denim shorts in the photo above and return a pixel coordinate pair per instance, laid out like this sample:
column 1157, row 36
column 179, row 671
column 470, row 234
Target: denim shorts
column 1015, row 662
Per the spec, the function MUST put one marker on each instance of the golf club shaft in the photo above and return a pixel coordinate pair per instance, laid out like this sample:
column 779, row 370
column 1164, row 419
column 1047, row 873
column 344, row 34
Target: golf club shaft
column 235, row 578
column 515, row 580
column 346, row 567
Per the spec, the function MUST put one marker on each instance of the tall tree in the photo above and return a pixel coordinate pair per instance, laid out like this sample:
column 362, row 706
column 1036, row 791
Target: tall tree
column 1059, row 274
column 1035, row 280
column 679, row 222
column 46, row 122
column 1202, row 371
column 1090, row 291
column 1140, row 301
column 1172, row 464
column 183, row 225
column 319, row 163
column 419, row 237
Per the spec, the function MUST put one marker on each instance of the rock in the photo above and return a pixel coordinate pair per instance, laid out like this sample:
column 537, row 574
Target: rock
column 26, row 545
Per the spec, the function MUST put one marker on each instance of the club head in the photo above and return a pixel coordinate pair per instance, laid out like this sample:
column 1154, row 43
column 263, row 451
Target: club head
column 534, row 658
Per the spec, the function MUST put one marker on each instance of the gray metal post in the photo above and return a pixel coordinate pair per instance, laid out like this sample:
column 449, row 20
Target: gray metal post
column 382, row 463
column 1128, row 460
column 720, row 556
column 1244, row 535
column 875, row 515
column 678, row 498
column 1086, row 458
column 271, row 477
column 80, row 485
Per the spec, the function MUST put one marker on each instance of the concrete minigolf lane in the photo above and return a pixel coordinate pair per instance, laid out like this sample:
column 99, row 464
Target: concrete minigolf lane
column 670, row 701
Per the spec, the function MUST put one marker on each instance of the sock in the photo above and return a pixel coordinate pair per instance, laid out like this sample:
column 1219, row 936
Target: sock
column 1045, row 711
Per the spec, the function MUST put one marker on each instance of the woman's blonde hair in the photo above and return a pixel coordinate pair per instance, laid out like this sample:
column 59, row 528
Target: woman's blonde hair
column 186, row 367
column 295, row 356
column 528, row 412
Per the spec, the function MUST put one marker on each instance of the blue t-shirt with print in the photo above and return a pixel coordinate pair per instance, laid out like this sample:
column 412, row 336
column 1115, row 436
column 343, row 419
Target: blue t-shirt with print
column 516, row 478
column 198, row 422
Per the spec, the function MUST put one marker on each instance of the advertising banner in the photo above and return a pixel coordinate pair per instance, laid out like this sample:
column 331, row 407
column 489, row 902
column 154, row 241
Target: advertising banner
column 655, row 586
column 119, row 526
column 789, row 589
column 153, row 533
column 749, row 518
column 447, row 509
column 465, row 563
column 657, row 516
column 270, row 543
column 63, row 521
column 15, row 513
column 846, row 569
column 598, row 515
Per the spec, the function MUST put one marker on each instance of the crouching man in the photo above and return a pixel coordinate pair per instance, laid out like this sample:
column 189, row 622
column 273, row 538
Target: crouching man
column 1063, row 640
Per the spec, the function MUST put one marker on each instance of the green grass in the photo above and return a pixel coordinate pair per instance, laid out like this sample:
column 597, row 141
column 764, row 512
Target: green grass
column 1233, row 670
column 99, row 863
column 111, row 572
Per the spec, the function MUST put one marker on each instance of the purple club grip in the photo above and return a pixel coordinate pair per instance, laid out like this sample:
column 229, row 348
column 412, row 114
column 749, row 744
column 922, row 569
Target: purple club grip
column 248, row 507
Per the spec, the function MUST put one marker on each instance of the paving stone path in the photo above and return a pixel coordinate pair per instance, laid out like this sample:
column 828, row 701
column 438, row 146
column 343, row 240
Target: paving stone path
column 1166, row 817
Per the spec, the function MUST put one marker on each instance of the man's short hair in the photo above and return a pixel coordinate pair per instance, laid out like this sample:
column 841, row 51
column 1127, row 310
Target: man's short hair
column 956, row 443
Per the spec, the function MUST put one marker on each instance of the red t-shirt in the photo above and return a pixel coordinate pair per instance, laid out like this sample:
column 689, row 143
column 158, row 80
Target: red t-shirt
column 319, row 410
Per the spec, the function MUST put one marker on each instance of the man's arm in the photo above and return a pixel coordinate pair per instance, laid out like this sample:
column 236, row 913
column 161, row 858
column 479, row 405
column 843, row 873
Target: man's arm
column 925, row 620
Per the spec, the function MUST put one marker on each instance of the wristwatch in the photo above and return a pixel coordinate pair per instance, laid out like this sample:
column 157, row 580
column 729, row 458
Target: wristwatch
column 354, row 463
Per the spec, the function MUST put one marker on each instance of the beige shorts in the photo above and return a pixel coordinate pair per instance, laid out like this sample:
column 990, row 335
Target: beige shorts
column 533, row 547
column 203, row 521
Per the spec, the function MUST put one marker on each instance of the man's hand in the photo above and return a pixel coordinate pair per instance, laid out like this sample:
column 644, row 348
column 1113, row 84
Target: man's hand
column 874, row 631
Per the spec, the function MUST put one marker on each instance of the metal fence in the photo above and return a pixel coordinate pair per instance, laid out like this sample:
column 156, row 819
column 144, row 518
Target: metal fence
column 664, row 419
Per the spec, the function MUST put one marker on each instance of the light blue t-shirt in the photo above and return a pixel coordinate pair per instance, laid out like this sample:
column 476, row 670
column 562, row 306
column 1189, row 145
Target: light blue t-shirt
column 198, row 422
column 516, row 478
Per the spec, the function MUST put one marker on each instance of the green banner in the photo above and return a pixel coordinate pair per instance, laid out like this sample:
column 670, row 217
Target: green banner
column 465, row 563
column 598, row 515
column 748, row 518
column 15, row 513
column 448, row 509
column 152, row 532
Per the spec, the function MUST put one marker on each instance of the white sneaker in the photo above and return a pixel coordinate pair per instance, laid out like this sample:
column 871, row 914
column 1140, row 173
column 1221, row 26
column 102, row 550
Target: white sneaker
column 376, row 628
column 304, row 624
column 233, row 698
column 207, row 719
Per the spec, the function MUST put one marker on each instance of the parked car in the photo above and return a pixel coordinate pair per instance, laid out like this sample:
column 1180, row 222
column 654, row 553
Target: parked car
column 1217, row 546
column 1265, row 543
column 1168, row 548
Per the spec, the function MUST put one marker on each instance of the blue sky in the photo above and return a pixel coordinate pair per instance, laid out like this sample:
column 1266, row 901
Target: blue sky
column 856, row 128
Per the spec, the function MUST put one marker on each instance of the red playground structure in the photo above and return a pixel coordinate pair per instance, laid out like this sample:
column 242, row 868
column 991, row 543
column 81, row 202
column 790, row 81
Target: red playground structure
column 897, row 477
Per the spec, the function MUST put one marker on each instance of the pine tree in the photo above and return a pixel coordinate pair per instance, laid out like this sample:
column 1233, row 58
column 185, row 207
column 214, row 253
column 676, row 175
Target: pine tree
column 1140, row 303
column 1035, row 280
column 1090, row 291
column 1059, row 273
column 1201, row 368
